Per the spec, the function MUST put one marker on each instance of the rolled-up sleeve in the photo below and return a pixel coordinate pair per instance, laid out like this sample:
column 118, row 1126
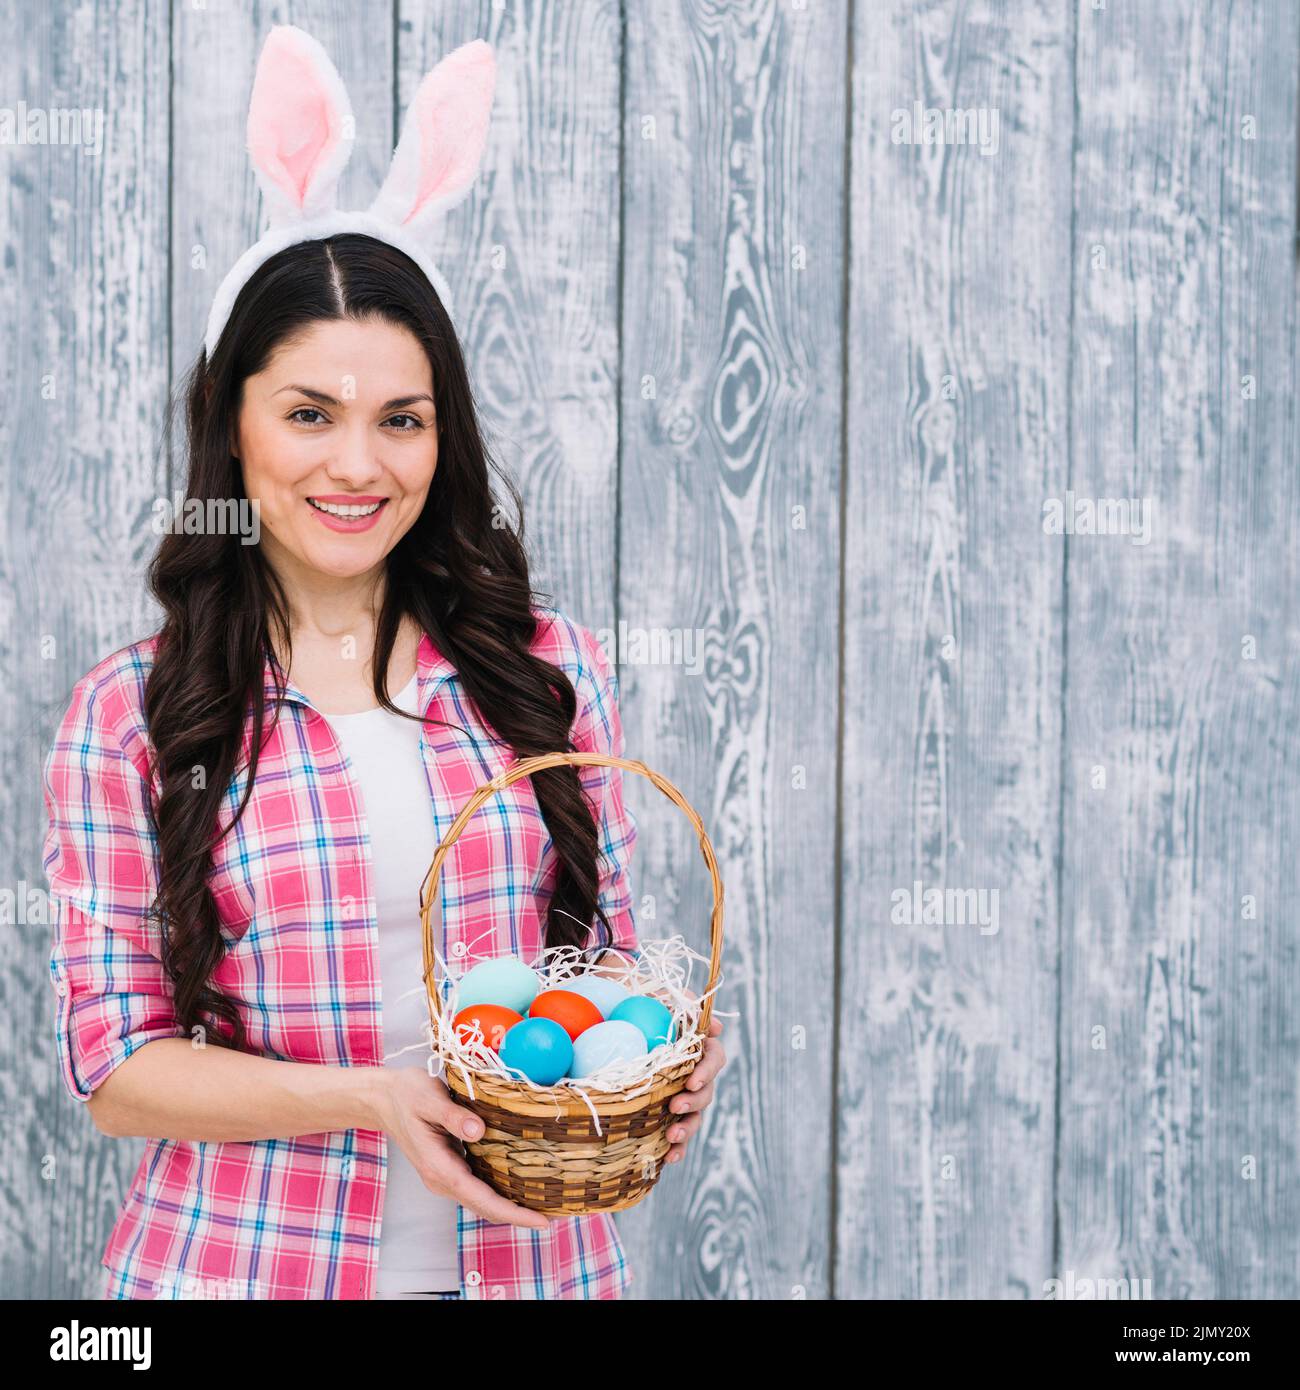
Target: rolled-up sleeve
column 598, row 728
column 111, row 991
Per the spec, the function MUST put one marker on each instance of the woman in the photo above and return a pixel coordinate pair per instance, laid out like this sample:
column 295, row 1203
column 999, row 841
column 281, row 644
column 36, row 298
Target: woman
column 268, row 776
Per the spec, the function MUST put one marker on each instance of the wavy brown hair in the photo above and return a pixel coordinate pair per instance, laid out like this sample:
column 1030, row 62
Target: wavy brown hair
column 460, row 572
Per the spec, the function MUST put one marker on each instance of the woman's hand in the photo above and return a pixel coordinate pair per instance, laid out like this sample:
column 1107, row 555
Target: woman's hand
column 690, row 1103
column 418, row 1113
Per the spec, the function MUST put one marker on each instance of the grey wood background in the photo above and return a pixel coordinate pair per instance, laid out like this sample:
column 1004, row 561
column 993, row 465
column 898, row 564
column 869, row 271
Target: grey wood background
column 769, row 376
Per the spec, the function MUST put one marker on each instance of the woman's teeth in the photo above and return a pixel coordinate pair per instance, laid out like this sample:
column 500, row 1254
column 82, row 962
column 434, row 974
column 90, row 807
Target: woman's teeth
column 335, row 509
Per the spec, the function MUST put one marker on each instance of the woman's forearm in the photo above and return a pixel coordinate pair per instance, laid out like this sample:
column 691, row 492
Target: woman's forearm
column 172, row 1090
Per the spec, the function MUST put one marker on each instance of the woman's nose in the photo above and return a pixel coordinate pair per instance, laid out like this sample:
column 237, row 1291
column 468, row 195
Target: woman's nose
column 357, row 460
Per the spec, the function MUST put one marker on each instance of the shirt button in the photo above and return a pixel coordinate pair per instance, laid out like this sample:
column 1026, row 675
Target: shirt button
column 60, row 987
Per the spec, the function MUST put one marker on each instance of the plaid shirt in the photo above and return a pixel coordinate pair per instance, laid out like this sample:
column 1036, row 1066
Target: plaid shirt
column 300, row 1217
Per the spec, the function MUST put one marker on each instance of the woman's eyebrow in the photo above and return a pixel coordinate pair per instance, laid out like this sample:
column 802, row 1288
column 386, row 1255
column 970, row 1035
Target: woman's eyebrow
column 320, row 396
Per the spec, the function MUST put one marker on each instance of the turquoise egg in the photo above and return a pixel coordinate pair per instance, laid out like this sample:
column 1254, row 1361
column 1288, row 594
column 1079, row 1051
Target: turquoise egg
column 507, row 981
column 605, row 994
column 539, row 1048
column 650, row 1016
column 604, row 1042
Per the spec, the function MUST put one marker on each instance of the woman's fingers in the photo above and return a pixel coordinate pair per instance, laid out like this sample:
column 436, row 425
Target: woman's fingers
column 710, row 1064
column 459, row 1122
column 686, row 1102
column 682, row 1129
column 450, row 1176
column 475, row 1194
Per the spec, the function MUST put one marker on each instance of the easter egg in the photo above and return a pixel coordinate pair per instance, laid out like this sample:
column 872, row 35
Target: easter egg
column 605, row 994
column 649, row 1015
column 539, row 1048
column 492, row 1020
column 507, row 982
column 571, row 1011
column 606, row 1042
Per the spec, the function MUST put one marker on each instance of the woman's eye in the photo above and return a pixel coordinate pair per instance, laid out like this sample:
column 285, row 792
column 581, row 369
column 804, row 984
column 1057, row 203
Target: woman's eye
column 306, row 410
column 413, row 422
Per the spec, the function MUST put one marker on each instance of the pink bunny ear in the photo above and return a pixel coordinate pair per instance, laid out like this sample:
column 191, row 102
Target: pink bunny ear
column 437, row 158
column 300, row 128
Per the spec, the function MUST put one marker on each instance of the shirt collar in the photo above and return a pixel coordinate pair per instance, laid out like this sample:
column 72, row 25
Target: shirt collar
column 431, row 669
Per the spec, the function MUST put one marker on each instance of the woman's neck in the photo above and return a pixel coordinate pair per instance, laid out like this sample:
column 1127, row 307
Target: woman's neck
column 332, row 625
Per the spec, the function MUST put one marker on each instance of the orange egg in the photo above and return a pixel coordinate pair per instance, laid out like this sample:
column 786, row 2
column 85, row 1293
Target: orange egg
column 493, row 1019
column 571, row 1011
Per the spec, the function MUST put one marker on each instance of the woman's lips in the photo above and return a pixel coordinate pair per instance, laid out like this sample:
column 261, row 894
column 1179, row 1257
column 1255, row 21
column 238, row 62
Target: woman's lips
column 347, row 523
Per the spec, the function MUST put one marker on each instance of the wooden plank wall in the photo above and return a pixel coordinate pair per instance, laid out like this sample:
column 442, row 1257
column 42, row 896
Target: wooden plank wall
column 84, row 370
column 1179, row 974
column 958, row 340
column 791, row 386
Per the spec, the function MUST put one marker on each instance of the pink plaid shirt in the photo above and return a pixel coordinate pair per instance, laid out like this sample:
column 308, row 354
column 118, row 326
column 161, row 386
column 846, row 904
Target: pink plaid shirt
column 300, row 1218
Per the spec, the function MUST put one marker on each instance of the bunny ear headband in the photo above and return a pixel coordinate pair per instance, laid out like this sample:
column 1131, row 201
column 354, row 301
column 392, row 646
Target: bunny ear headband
column 300, row 134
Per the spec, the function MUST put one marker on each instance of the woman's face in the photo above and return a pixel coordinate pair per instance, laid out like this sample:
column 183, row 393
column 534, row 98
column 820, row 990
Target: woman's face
column 338, row 442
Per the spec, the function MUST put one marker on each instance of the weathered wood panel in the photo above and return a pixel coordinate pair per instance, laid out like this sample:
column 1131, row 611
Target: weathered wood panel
column 732, row 308
column 83, row 301
column 531, row 259
column 959, row 324
column 1179, row 973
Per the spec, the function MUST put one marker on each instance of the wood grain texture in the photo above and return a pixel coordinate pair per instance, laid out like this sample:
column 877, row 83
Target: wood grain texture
column 531, row 260
column 952, row 647
column 732, row 308
column 82, row 300
column 1196, row 1081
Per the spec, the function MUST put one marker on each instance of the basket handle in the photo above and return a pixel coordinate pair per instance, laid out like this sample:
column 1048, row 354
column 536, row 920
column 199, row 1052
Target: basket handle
column 525, row 768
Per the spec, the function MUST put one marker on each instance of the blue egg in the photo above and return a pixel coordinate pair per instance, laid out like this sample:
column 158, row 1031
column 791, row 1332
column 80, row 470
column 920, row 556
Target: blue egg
column 605, row 994
column 507, row 981
column 602, row 1043
column 539, row 1048
column 649, row 1015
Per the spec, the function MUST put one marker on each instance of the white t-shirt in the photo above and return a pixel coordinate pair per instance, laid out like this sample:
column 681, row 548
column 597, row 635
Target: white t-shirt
column 418, row 1240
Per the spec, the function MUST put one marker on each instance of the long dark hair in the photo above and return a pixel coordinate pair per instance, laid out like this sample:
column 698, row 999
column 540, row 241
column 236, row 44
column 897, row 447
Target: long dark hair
column 460, row 572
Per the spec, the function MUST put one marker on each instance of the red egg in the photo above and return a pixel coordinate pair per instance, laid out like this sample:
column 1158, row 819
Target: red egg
column 493, row 1019
column 571, row 1011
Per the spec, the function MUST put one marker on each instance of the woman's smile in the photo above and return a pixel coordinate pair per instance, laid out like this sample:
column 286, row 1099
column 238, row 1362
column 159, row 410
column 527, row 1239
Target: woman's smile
column 341, row 512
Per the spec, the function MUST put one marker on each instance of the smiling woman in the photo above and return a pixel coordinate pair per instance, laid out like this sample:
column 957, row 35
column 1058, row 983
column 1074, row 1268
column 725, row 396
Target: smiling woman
column 243, row 806
column 257, row 905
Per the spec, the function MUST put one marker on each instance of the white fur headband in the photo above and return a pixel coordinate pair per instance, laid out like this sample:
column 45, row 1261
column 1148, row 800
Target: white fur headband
column 300, row 134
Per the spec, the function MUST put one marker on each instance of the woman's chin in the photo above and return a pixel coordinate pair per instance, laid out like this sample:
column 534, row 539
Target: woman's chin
column 345, row 558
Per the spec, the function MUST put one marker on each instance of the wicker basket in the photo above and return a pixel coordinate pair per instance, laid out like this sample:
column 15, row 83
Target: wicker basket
column 540, row 1147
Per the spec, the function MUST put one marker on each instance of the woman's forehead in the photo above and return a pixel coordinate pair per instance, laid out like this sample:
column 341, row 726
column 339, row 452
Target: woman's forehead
column 363, row 357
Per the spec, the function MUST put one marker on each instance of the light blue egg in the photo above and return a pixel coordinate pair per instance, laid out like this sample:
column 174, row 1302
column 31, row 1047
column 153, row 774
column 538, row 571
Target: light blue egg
column 539, row 1048
column 602, row 1043
column 650, row 1016
column 605, row 994
column 507, row 981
